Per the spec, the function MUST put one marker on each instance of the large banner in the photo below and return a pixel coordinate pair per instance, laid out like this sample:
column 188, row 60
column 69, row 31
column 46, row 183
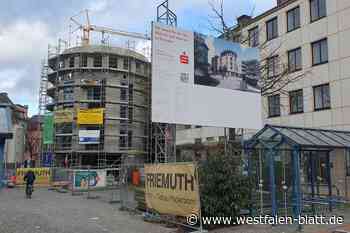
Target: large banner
column 63, row 116
column 201, row 80
column 89, row 136
column 48, row 129
column 90, row 116
column 97, row 179
column 172, row 189
column 42, row 176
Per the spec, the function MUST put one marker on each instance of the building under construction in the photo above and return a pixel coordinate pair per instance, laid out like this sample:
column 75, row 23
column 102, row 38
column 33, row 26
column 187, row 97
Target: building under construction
column 98, row 79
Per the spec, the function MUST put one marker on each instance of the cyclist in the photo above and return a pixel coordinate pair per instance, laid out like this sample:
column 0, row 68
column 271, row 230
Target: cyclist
column 29, row 178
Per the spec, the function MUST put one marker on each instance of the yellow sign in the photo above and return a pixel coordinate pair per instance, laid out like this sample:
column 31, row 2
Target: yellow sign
column 90, row 116
column 63, row 116
column 172, row 189
column 42, row 176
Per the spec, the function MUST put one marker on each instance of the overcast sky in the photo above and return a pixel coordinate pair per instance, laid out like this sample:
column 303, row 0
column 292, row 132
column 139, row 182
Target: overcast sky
column 28, row 26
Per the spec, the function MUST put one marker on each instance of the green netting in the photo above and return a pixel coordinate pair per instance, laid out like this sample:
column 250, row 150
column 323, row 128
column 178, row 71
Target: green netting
column 48, row 129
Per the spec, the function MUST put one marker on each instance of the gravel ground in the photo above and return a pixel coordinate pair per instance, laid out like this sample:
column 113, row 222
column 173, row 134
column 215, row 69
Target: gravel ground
column 53, row 212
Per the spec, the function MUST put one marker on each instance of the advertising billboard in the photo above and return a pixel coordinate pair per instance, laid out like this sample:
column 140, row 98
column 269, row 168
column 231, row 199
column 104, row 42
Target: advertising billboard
column 84, row 179
column 172, row 188
column 201, row 80
column 89, row 136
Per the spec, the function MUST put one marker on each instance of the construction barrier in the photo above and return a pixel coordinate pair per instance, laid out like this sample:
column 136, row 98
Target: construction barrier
column 43, row 176
column 61, row 177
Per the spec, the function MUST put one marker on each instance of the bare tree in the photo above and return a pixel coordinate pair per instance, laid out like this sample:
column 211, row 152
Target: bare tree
column 270, row 82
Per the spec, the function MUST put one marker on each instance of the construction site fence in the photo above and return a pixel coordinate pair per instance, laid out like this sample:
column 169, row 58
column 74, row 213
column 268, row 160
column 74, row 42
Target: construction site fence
column 132, row 187
column 101, row 184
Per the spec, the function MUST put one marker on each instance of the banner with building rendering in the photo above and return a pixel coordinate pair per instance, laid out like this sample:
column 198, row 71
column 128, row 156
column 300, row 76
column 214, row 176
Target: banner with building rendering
column 90, row 116
column 84, row 179
column 63, row 116
column 172, row 189
column 202, row 80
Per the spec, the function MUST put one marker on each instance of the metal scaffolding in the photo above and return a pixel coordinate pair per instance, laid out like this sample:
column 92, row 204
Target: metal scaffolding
column 43, row 98
column 164, row 135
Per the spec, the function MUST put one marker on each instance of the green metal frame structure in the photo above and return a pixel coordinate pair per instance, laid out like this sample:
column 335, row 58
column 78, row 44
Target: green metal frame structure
column 297, row 143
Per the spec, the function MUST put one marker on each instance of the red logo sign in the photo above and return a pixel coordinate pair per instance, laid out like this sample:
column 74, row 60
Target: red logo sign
column 184, row 59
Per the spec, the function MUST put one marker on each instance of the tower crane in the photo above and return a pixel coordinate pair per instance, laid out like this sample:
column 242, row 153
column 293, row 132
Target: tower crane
column 88, row 28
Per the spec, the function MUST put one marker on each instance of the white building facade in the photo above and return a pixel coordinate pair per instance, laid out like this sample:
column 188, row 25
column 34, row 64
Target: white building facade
column 311, row 39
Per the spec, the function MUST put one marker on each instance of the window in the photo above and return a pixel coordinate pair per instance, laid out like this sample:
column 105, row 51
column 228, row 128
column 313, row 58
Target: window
column 98, row 61
column 272, row 29
column 198, row 126
column 293, row 19
column 113, row 62
column 122, row 138
column 61, row 64
column 210, row 139
column 348, row 162
column 198, row 141
column 254, row 37
column 188, row 127
column 123, row 111
column 272, row 67
column 94, row 93
column 320, row 52
column 274, row 105
column 294, row 60
column 83, row 61
column 126, row 63
column 131, row 93
column 68, row 94
column 71, row 62
column 322, row 98
column 131, row 115
column 130, row 139
column 123, row 94
column 317, row 9
column 124, row 81
column 138, row 67
column 222, row 139
column 296, row 101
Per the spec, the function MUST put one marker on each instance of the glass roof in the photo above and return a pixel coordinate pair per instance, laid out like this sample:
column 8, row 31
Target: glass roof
column 305, row 137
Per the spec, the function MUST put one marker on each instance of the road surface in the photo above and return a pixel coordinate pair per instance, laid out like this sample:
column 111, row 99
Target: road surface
column 53, row 212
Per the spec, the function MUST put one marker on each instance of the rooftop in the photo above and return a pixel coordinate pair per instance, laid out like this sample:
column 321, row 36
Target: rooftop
column 302, row 137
